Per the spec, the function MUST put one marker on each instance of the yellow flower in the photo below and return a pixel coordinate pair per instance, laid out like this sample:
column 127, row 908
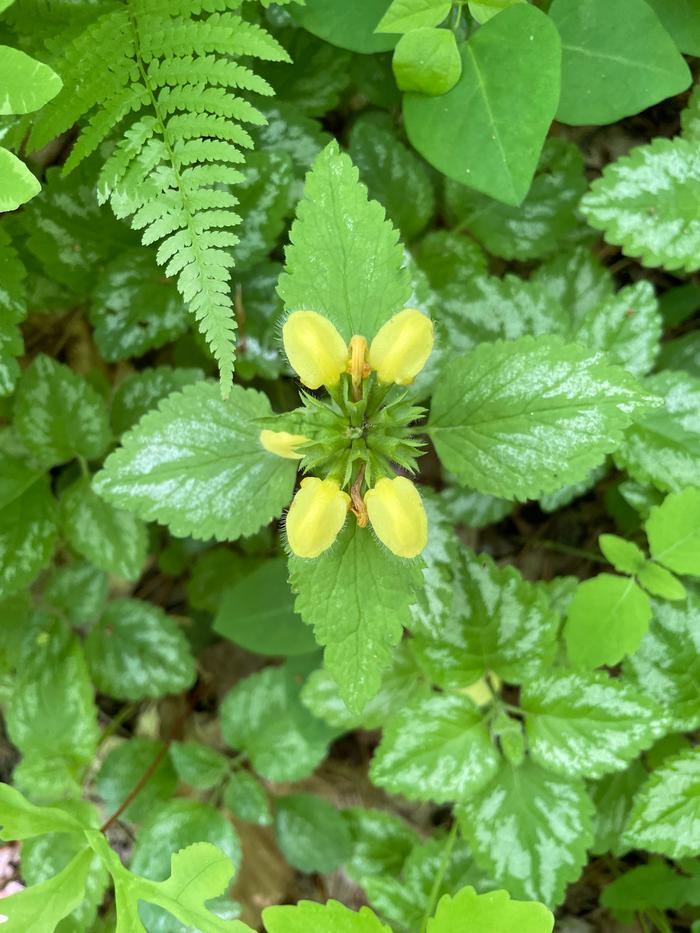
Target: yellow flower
column 401, row 347
column 397, row 515
column 314, row 348
column 317, row 514
column 282, row 443
column 480, row 692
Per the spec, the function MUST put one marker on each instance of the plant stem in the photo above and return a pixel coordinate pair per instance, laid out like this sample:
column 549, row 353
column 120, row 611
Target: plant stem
column 568, row 549
column 439, row 877
column 116, row 722
column 137, row 788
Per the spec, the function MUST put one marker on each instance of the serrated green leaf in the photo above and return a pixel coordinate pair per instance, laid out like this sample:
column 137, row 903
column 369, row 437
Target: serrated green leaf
column 673, row 530
column 499, row 623
column 427, row 61
column 58, row 415
column 263, row 717
column 41, row 907
column 577, row 280
column 656, row 886
column 345, row 259
column 306, row 916
column 136, row 651
column 660, row 582
column 469, row 912
column 435, row 749
column 196, row 464
column 404, row 15
column 606, row 620
column 198, row 765
column 449, row 258
column 497, row 148
column 134, row 307
column 612, row 797
column 245, row 797
column 263, row 200
column 28, row 534
column 26, row 83
column 141, row 391
column 549, row 821
column 665, row 817
column 113, row 540
column 381, row 842
column 123, row 767
column 667, row 664
column 311, row 834
column 522, row 418
column 663, row 448
column 616, row 60
column 659, row 223
column 584, row 725
column 625, row 556
column 24, row 820
column 545, row 220
column 357, row 595
column 77, row 590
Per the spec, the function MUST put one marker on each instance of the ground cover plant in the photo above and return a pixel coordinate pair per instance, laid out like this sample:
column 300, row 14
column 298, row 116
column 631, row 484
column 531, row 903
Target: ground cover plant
column 349, row 466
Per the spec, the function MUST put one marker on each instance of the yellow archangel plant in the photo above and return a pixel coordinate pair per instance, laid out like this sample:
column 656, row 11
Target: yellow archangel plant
column 351, row 443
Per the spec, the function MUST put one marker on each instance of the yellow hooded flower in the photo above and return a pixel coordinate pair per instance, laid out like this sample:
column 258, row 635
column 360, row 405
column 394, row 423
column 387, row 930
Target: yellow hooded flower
column 317, row 514
column 396, row 513
column 282, row 443
column 314, row 348
column 401, row 347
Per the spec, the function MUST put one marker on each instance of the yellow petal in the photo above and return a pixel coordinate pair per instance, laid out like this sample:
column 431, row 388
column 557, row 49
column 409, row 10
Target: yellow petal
column 480, row 692
column 397, row 515
column 401, row 347
column 314, row 348
column 317, row 514
column 282, row 443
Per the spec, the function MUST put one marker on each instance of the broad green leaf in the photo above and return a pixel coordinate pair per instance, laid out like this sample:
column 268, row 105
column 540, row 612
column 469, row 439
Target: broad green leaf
column 435, row 749
column 545, row 220
column 549, row 825
column 196, row 465
column 27, row 533
column 499, row 623
column 357, row 595
column 26, row 84
column 123, row 767
column 682, row 353
column 39, row 908
column 12, row 312
column 469, row 912
column 488, row 131
column 625, row 556
column 613, row 796
column 659, row 224
column 485, row 10
column 111, row 539
column 17, row 184
column 606, row 620
column 77, row 590
column 134, row 307
column 449, row 258
column 141, row 391
column 681, row 19
column 263, row 718
column 345, row 260
column 390, row 169
column 663, row 448
column 405, row 15
column 290, row 130
column 198, row 765
column 213, row 572
column 660, row 582
column 136, row 651
column 348, row 26
column 666, row 814
column 257, row 612
column 46, row 856
column 522, row 418
column 246, row 798
column 656, row 886
column 427, row 61
column 260, row 349
column 20, row 819
column 667, row 664
column 381, row 843
column 673, row 530
column 474, row 509
column 306, row 916
column 584, row 725
column 312, row 835
column 616, row 60
column 58, row 414
column 577, row 280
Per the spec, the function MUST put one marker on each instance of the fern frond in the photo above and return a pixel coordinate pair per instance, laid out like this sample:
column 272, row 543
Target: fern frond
column 168, row 74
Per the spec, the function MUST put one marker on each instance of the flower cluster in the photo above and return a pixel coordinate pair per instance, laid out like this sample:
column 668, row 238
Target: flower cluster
column 356, row 437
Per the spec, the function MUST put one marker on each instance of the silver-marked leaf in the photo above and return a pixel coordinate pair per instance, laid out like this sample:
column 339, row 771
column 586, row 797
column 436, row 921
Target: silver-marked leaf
column 196, row 465
column 613, row 796
column 577, row 280
column 28, row 530
column 435, row 749
column 311, row 834
column 141, row 391
column 584, row 725
column 12, row 312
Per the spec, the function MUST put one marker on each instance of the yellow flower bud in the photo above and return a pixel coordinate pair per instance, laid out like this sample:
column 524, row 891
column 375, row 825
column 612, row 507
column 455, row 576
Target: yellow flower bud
column 401, row 347
column 282, row 443
column 397, row 515
column 480, row 692
column 317, row 514
column 314, row 348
